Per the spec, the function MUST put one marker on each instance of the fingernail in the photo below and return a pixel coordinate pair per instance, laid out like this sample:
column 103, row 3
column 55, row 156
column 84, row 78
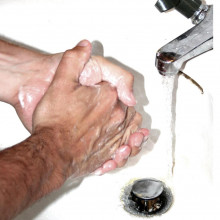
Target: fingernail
column 136, row 139
column 83, row 43
column 145, row 132
column 138, row 142
column 98, row 172
column 122, row 153
column 109, row 165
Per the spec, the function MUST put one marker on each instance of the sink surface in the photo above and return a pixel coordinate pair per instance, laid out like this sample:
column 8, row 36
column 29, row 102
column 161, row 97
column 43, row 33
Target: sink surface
column 131, row 34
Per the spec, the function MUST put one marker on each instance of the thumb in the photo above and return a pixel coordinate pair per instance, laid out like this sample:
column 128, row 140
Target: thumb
column 72, row 63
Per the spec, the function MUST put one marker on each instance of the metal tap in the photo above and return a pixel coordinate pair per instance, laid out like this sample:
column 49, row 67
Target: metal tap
column 170, row 59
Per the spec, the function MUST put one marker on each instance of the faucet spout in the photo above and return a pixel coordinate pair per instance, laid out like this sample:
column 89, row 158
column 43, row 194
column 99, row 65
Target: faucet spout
column 171, row 58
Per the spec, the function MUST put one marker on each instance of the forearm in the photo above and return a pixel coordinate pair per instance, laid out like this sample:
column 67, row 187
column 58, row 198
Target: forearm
column 8, row 79
column 14, row 62
column 30, row 170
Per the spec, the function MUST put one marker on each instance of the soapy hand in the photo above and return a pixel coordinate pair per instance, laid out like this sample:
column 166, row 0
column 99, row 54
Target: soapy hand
column 99, row 69
column 36, row 82
column 76, row 129
column 93, row 124
column 38, row 72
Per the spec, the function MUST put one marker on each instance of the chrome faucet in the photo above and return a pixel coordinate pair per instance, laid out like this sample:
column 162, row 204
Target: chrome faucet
column 170, row 59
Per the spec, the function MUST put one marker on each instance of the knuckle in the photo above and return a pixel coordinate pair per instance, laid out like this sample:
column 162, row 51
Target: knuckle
column 68, row 53
column 75, row 53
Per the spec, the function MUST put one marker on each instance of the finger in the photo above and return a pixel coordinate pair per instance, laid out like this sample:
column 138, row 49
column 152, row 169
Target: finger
column 121, row 155
column 106, row 167
column 135, row 141
column 120, row 159
column 125, row 151
column 73, row 62
column 117, row 121
column 145, row 132
column 134, row 124
column 91, row 74
column 125, row 90
column 99, row 69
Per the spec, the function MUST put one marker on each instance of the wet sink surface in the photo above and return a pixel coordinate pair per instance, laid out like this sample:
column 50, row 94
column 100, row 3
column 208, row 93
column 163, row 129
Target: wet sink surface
column 131, row 39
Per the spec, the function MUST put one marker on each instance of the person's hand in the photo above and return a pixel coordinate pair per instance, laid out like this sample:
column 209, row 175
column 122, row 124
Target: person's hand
column 89, row 124
column 26, row 75
column 40, row 70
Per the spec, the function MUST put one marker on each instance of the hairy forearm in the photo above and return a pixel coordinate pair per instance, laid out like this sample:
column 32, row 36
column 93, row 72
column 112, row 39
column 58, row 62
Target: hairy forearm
column 30, row 170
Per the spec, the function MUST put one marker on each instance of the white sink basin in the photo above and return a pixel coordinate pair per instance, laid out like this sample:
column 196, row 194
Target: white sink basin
column 131, row 33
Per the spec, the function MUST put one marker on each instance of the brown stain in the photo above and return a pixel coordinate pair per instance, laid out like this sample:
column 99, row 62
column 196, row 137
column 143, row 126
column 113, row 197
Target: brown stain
column 192, row 81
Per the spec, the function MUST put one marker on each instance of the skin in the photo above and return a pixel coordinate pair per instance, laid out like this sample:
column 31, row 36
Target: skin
column 25, row 76
column 66, row 140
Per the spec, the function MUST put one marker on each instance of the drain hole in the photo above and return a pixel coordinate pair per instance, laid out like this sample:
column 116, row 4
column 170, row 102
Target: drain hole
column 147, row 197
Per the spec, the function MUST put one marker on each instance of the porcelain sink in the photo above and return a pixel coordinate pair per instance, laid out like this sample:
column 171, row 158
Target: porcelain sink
column 131, row 34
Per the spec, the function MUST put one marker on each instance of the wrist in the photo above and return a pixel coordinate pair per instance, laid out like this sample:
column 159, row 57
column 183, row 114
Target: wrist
column 12, row 69
column 58, row 156
column 10, row 80
column 23, row 69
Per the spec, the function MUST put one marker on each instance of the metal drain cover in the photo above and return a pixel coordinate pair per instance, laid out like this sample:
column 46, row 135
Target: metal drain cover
column 147, row 197
column 147, row 188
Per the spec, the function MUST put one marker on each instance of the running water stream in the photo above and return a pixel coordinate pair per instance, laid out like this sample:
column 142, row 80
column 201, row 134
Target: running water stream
column 169, row 90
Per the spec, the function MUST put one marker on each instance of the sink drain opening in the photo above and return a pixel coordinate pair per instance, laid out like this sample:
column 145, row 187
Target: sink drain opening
column 146, row 198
